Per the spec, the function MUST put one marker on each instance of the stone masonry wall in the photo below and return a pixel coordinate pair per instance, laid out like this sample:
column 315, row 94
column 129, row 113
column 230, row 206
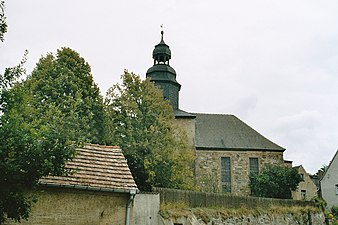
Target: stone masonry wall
column 77, row 207
column 262, row 219
column 188, row 125
column 208, row 167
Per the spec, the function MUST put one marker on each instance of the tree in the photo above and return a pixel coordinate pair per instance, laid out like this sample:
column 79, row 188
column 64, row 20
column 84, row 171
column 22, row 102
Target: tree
column 275, row 182
column 320, row 173
column 65, row 81
column 3, row 24
column 142, row 123
column 42, row 120
column 33, row 145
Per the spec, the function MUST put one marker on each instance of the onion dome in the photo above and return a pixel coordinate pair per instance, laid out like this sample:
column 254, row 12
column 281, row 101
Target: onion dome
column 161, row 53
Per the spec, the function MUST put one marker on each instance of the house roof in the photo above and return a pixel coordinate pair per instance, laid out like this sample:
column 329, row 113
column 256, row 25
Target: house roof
column 227, row 132
column 297, row 167
column 182, row 114
column 96, row 166
column 328, row 168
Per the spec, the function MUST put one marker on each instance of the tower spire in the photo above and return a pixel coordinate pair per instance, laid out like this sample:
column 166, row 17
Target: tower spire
column 162, row 32
column 162, row 74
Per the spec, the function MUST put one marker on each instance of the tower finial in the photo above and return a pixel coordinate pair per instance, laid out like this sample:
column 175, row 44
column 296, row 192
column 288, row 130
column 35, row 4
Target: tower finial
column 162, row 32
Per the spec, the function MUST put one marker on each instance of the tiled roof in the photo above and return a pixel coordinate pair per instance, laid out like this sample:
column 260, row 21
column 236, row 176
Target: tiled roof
column 96, row 166
column 222, row 131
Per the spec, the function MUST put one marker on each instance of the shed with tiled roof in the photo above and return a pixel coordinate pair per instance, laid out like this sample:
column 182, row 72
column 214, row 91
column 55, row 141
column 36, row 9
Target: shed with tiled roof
column 96, row 167
column 99, row 190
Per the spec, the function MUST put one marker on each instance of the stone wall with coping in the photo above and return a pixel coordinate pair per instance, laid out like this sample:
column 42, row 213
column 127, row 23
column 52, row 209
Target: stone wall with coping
column 208, row 167
column 262, row 219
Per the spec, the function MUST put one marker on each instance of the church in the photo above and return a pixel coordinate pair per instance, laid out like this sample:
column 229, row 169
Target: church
column 227, row 149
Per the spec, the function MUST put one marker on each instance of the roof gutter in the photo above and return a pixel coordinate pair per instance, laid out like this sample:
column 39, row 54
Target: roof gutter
column 238, row 149
column 89, row 188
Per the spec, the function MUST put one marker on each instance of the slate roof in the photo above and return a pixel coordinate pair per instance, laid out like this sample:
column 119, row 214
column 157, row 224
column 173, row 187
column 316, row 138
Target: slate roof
column 96, row 166
column 180, row 114
column 227, row 132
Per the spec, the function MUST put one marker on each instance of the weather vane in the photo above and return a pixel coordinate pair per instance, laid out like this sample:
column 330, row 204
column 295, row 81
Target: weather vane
column 162, row 32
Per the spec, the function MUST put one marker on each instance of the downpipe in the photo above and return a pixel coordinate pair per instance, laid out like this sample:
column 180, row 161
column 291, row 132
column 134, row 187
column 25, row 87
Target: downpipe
column 130, row 201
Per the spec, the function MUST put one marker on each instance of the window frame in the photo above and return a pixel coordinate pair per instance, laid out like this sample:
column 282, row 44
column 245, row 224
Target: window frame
column 253, row 165
column 226, row 174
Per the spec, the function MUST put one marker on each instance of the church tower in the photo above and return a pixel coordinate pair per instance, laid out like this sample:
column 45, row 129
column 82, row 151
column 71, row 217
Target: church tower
column 163, row 74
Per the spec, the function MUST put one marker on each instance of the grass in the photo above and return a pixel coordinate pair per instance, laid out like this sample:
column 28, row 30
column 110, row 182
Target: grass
column 174, row 210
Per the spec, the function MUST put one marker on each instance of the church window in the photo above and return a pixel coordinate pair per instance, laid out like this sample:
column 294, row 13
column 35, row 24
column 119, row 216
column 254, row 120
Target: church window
column 254, row 168
column 303, row 194
column 226, row 174
column 336, row 189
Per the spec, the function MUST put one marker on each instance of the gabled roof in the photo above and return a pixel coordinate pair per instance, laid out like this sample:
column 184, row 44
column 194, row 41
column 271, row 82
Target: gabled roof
column 227, row 132
column 328, row 168
column 300, row 169
column 96, row 167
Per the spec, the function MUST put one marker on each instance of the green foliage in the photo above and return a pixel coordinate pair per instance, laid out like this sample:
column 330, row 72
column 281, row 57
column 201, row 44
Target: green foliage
column 32, row 146
column 209, row 183
column 142, row 123
column 320, row 173
column 319, row 203
column 334, row 211
column 3, row 24
column 275, row 182
column 42, row 120
column 9, row 78
column 13, row 204
column 65, row 81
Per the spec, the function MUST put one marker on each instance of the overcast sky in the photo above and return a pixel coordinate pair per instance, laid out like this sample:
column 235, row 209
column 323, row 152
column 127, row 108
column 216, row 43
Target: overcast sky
column 273, row 64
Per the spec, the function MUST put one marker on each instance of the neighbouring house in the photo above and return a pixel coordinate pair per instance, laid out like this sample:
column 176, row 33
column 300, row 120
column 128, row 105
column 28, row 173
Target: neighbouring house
column 228, row 150
column 316, row 180
column 100, row 190
column 317, row 177
column 306, row 189
column 329, row 183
